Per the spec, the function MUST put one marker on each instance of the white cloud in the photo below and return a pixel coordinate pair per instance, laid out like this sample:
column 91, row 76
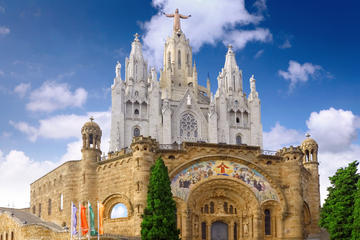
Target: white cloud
column 239, row 39
column 299, row 73
column 22, row 89
column 334, row 129
column 211, row 22
column 19, row 170
column 286, row 44
column 67, row 127
column 280, row 136
column 259, row 54
column 52, row 96
column 4, row 30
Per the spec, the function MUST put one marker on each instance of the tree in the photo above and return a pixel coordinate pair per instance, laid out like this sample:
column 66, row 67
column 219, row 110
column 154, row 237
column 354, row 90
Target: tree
column 159, row 218
column 337, row 212
column 355, row 235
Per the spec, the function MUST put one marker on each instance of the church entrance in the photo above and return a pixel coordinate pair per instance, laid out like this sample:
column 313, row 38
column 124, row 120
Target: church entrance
column 219, row 231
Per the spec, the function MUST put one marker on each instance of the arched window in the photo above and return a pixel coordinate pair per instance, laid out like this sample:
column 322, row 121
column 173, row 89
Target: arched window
column 206, row 208
column 169, row 58
column 231, row 209
column 49, row 206
column 225, row 207
column 203, row 231
column 61, row 202
column 119, row 210
column 187, row 59
column 246, row 120
column 136, row 93
column 179, row 59
column 1, row 236
column 237, row 120
column 6, row 236
column 12, row 236
column 212, row 207
column 136, row 112
column 267, row 222
column 136, row 132
column 188, row 127
column 238, row 140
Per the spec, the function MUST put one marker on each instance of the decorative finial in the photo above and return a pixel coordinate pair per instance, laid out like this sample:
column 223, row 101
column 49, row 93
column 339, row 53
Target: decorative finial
column 230, row 46
column 252, row 76
column 136, row 35
column 307, row 135
column 91, row 118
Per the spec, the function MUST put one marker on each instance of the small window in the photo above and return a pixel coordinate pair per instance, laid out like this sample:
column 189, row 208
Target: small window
column 136, row 132
column 136, row 93
column 238, row 140
column 212, row 207
column 225, row 207
column 203, row 230
column 119, row 211
column 179, row 59
column 49, row 207
column 237, row 120
column 136, row 112
column 39, row 209
column 12, row 236
column 206, row 208
column 235, row 231
column 267, row 222
column 61, row 202
column 231, row 209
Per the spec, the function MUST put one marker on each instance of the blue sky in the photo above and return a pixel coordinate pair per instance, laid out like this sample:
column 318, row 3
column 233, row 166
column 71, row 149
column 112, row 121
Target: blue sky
column 57, row 62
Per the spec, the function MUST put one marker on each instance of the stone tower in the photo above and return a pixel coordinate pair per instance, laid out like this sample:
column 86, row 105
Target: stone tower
column 310, row 149
column 91, row 153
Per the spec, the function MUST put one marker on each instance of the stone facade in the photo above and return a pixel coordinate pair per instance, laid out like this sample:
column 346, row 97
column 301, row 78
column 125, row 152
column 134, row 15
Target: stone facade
column 176, row 108
column 224, row 184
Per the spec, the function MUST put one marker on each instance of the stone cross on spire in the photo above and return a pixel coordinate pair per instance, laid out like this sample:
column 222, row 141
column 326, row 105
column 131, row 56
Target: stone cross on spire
column 176, row 17
column 136, row 35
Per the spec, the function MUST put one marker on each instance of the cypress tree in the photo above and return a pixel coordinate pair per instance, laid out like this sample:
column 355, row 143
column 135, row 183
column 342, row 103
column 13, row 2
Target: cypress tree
column 355, row 235
column 337, row 213
column 159, row 218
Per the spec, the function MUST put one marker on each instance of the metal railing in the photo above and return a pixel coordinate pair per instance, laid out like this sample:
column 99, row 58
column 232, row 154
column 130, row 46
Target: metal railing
column 173, row 146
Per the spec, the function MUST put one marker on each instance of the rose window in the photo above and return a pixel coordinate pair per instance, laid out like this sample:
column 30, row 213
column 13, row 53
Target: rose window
column 188, row 126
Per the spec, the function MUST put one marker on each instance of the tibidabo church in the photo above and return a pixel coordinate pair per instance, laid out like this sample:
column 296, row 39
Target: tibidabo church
column 225, row 185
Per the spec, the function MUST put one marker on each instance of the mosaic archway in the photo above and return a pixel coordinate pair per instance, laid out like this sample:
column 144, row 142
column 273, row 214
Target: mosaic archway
column 184, row 181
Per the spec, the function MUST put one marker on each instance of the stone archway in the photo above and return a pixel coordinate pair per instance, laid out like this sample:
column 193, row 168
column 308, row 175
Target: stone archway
column 219, row 231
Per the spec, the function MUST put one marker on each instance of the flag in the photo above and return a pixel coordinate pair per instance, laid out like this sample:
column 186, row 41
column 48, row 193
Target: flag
column 84, row 224
column 74, row 219
column 92, row 223
column 101, row 218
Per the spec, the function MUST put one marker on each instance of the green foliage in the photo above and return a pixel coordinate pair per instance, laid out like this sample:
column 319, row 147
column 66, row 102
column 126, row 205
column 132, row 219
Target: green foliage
column 337, row 212
column 159, row 218
column 355, row 235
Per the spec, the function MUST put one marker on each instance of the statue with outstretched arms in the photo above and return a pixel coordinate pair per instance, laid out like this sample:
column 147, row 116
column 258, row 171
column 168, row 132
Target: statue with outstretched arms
column 176, row 17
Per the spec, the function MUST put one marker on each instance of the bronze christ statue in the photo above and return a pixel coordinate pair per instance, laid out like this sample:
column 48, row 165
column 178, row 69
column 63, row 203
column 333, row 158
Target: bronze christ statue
column 176, row 17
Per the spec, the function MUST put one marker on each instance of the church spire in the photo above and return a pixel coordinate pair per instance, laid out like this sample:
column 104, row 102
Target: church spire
column 136, row 66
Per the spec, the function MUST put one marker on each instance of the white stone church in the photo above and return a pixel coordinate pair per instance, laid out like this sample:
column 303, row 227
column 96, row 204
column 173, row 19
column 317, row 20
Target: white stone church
column 175, row 108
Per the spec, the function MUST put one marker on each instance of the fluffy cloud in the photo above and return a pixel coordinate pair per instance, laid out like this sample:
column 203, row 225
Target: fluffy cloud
column 299, row 73
column 335, row 130
column 24, row 127
column 279, row 137
column 52, row 96
column 211, row 22
column 20, row 170
column 4, row 30
column 22, row 89
column 239, row 39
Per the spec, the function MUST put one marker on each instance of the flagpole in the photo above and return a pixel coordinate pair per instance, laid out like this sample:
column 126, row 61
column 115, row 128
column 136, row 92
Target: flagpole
column 89, row 224
column 98, row 218
column 79, row 221
column 71, row 221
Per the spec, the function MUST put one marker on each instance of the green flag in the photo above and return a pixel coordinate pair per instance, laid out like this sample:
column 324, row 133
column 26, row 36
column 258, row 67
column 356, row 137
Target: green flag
column 92, row 224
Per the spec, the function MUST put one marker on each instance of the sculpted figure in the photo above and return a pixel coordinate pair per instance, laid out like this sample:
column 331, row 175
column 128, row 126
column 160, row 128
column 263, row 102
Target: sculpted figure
column 176, row 17
column 118, row 69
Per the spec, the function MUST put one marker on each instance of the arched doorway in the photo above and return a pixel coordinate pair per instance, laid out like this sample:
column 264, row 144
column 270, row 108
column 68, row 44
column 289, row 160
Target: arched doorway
column 219, row 231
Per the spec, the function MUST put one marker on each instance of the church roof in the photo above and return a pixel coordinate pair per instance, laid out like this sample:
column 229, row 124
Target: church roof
column 25, row 218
